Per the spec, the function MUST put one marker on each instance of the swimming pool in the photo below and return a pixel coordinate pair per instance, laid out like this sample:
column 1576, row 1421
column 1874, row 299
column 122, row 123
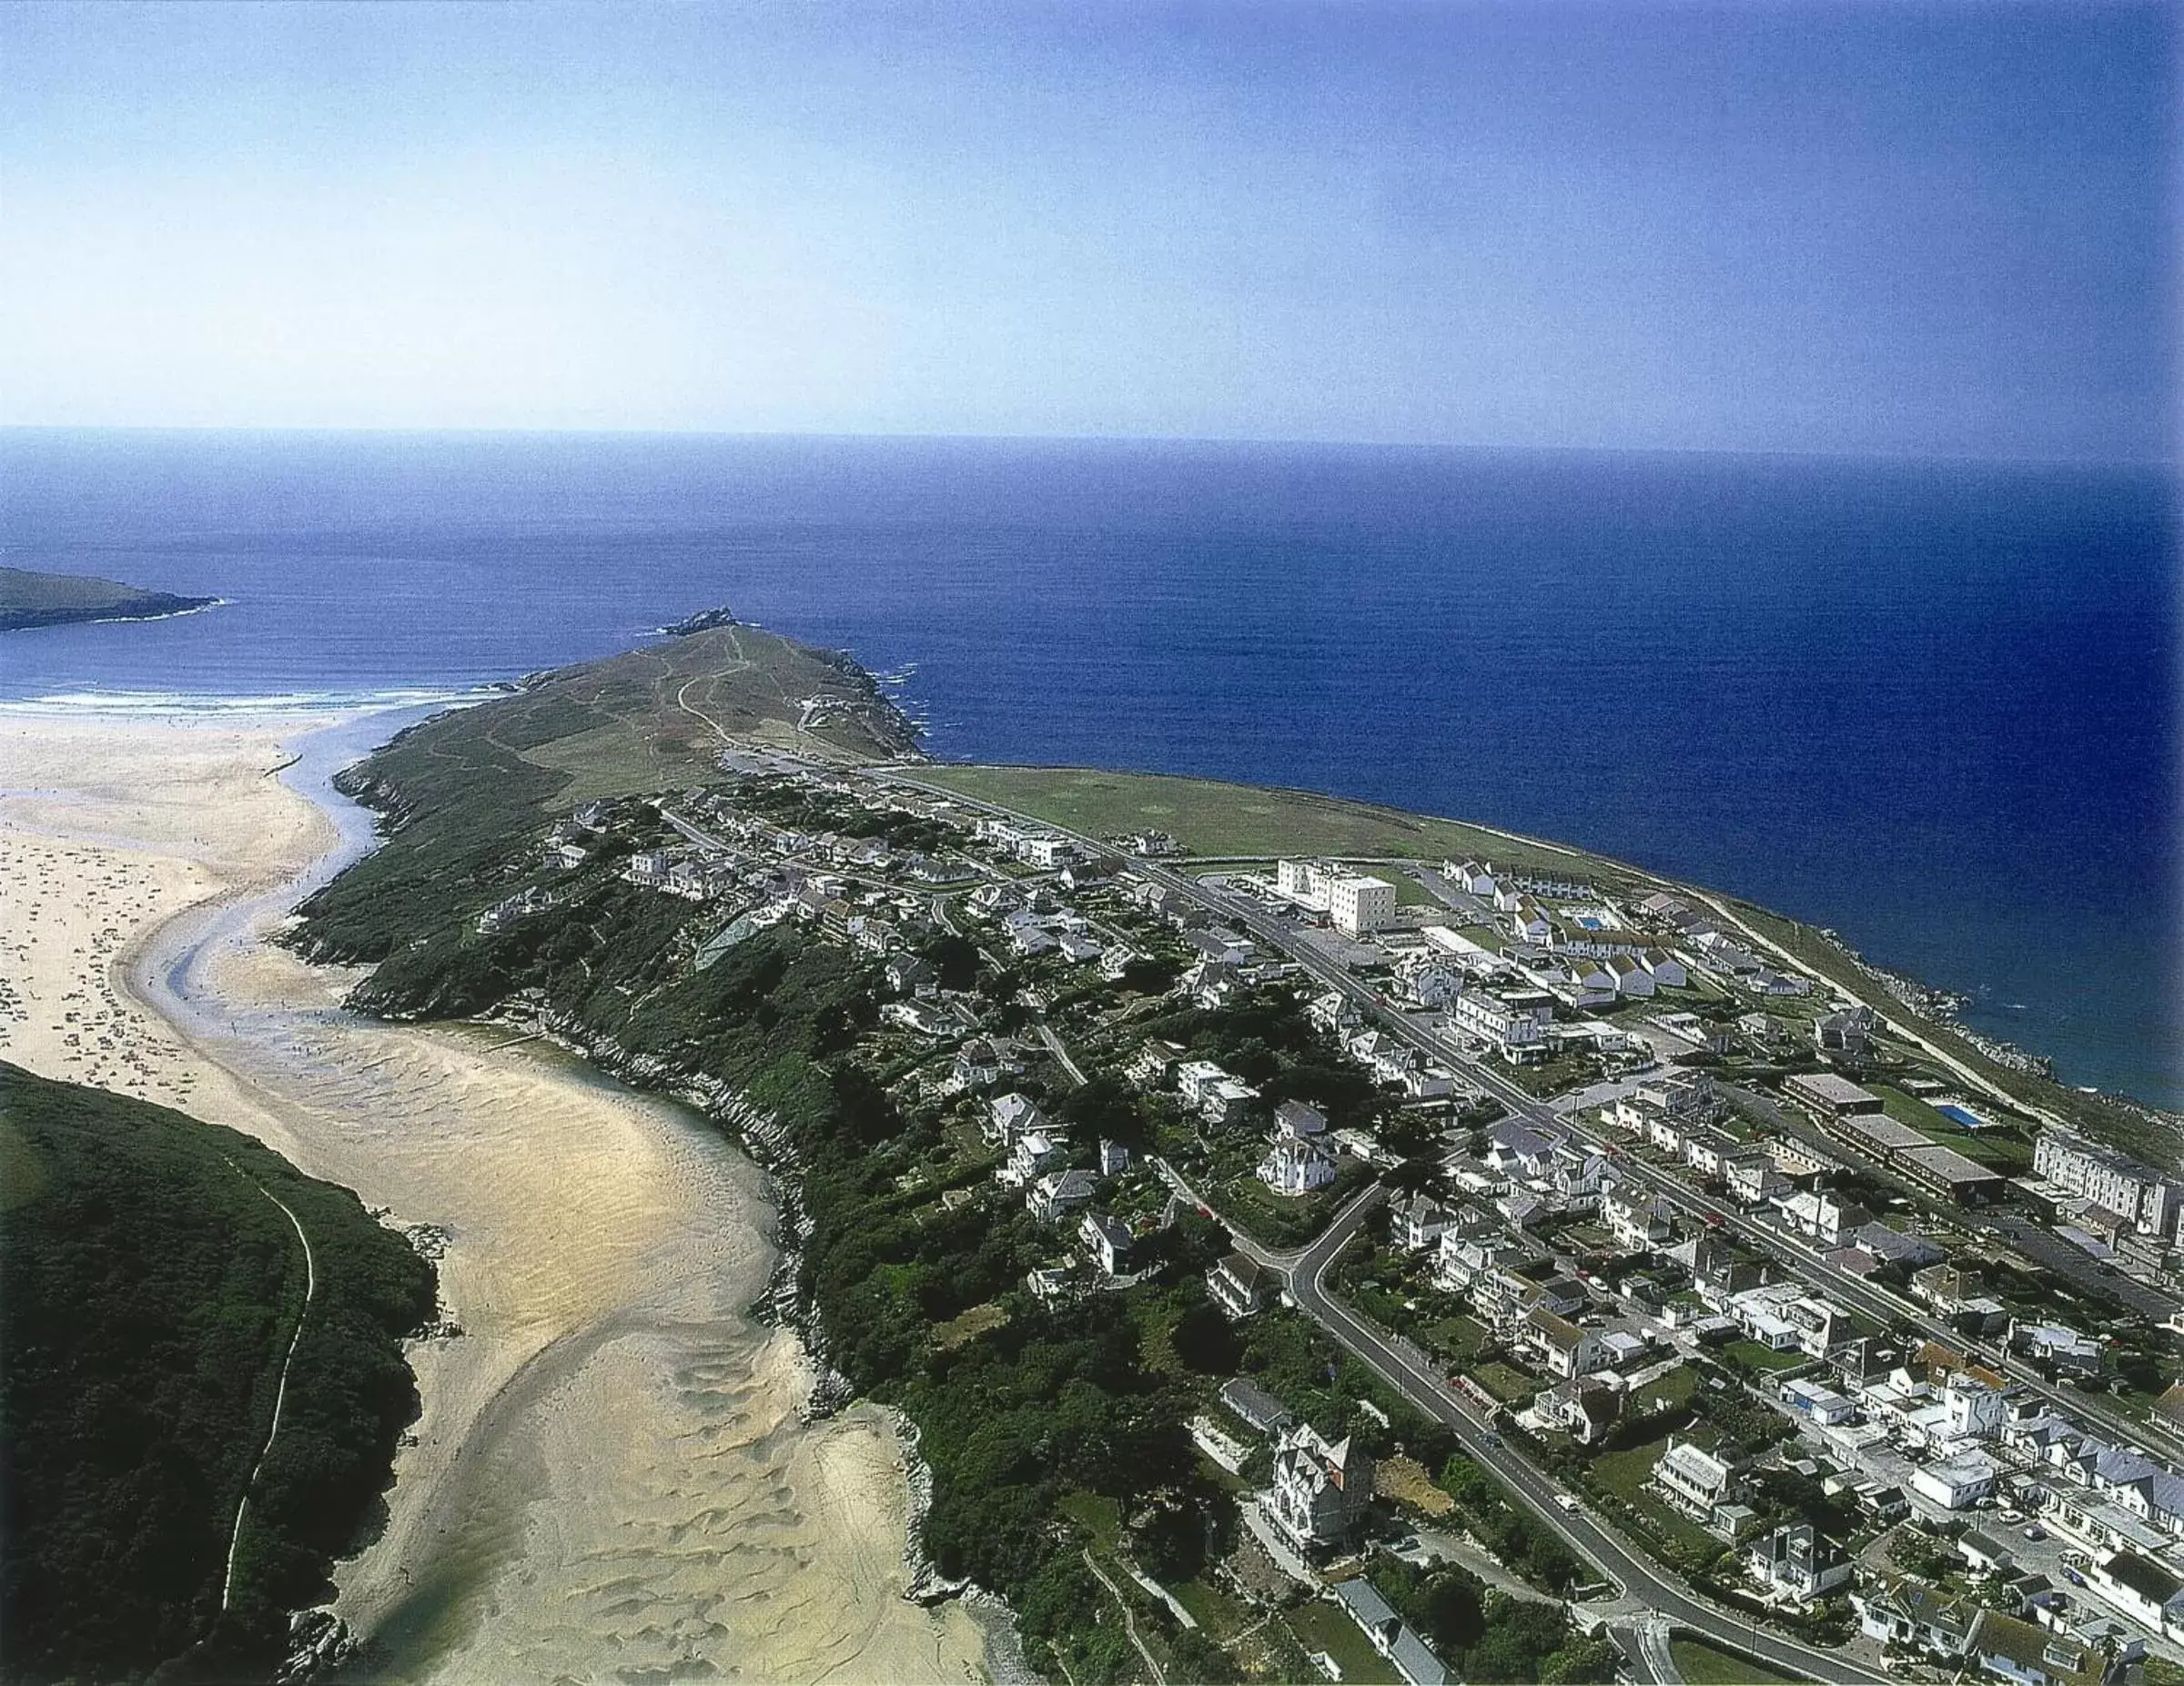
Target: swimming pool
column 1963, row 1115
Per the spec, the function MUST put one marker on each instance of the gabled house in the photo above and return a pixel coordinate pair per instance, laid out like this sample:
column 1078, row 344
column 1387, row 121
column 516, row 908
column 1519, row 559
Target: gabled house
column 1035, row 1152
column 1240, row 1285
column 1106, row 1241
column 1415, row 1221
column 1294, row 1168
column 1559, row 1346
column 1010, row 1117
column 1797, row 1564
column 1694, row 1480
column 1638, row 1221
column 1321, row 1492
column 1059, row 1193
column 1916, row 1617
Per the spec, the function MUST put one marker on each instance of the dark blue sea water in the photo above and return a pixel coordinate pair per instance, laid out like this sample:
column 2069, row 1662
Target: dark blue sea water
column 1935, row 705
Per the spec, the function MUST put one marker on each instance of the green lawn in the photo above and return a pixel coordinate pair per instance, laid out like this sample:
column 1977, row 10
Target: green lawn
column 1506, row 1383
column 1626, row 1473
column 1321, row 1626
column 1701, row 1664
column 1755, row 1356
column 1672, row 1389
column 1210, row 818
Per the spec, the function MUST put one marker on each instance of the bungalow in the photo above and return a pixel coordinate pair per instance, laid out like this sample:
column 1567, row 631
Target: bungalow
column 2029, row 1654
column 1823, row 1405
column 1240, row 1285
column 1906, row 1614
column 1106, row 1241
column 1390, row 1634
column 1294, row 1168
column 1255, row 1408
column 2147, row 1591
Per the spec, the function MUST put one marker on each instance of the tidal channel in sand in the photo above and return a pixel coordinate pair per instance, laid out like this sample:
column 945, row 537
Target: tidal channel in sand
column 610, row 1478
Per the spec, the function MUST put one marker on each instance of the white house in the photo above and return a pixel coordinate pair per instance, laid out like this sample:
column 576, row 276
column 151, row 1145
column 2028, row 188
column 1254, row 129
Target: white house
column 1107, row 1242
column 1564, row 1349
column 1321, row 1492
column 1298, row 1121
column 1059, row 1193
column 1009, row 1117
column 1797, row 1564
column 1416, row 1222
column 1035, row 1152
column 1294, row 1168
column 1956, row 1482
column 1636, row 1220
column 1692, row 1478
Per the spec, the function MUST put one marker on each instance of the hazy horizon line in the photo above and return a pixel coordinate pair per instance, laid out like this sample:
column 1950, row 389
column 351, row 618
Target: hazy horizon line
column 1272, row 442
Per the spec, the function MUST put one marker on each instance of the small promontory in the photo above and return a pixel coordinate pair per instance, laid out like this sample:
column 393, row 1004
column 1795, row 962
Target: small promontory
column 30, row 598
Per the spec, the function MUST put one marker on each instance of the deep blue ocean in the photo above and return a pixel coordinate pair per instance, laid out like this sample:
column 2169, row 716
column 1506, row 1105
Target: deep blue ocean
column 1935, row 705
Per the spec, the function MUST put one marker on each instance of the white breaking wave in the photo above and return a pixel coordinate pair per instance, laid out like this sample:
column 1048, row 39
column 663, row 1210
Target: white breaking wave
column 266, row 702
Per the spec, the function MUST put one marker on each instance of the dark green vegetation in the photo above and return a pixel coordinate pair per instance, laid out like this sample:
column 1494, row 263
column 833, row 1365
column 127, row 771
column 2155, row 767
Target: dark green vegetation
column 471, row 791
column 1485, row 1635
column 28, row 599
column 149, row 1291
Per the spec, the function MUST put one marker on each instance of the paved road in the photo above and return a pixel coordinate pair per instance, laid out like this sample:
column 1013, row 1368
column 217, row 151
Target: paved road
column 1422, row 1384
column 1591, row 1537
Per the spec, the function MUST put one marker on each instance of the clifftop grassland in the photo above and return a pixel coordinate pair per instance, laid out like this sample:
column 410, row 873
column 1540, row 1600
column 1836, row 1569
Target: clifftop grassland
column 29, row 598
column 465, row 788
column 149, row 1289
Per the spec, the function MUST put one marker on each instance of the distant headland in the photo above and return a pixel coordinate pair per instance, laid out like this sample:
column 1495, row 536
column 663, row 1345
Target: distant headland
column 29, row 598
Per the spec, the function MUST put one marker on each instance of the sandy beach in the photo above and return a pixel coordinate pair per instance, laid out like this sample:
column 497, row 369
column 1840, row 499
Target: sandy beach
column 610, row 1478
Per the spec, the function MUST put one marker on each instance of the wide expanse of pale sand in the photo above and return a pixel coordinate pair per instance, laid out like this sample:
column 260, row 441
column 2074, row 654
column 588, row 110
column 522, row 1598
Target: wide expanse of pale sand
column 609, row 1478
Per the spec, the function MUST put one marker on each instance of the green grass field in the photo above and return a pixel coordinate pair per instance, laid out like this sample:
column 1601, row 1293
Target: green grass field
column 1241, row 821
column 1701, row 1664
column 1323, row 1627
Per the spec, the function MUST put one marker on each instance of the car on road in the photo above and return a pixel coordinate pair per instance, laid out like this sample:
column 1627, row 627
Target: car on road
column 1566, row 1501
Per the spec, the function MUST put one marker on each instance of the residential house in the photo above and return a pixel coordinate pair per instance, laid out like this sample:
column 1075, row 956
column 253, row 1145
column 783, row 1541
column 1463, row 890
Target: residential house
column 1561, row 1347
column 1154, row 1065
column 1106, row 1241
column 1955, row 1483
column 1295, row 1119
column 1753, row 1177
column 1010, row 1117
column 1294, row 1168
column 1035, row 1152
column 1059, row 1193
column 1584, row 1407
column 908, row 975
column 977, row 1066
column 1797, row 1564
column 1240, row 1285
column 1415, row 1221
column 1515, row 1149
column 1638, row 1221
column 1114, row 1158
column 1694, row 1480
column 1916, row 1617
column 1321, row 1492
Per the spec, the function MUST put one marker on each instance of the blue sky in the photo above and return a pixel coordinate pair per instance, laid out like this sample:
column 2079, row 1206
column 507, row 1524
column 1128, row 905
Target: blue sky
column 1781, row 227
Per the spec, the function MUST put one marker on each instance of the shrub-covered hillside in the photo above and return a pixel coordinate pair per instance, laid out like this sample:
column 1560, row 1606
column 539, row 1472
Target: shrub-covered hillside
column 148, row 1292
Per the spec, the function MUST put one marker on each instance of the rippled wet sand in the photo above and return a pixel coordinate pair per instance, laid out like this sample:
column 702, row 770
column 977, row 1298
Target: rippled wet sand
column 610, row 1480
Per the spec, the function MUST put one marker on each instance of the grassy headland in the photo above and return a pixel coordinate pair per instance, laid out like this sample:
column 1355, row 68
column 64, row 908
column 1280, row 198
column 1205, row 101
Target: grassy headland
column 149, row 1290
column 29, row 598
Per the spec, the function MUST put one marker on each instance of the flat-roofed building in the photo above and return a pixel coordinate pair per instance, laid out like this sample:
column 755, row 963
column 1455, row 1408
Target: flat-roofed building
column 1828, row 1096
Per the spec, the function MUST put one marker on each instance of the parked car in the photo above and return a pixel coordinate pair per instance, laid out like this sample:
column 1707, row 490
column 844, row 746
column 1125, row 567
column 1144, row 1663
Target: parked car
column 2035, row 1532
